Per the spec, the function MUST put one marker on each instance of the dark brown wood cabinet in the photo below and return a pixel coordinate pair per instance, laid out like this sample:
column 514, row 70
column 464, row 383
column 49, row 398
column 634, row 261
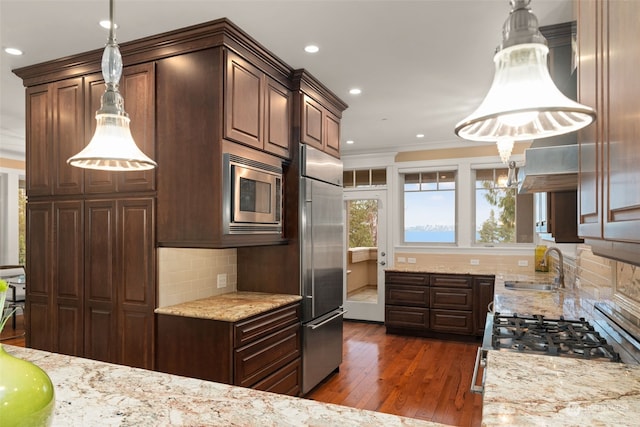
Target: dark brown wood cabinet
column 55, row 132
column 190, row 173
column 261, row 352
column 257, row 107
column 483, row 289
column 318, row 113
column 608, row 197
column 92, row 288
column 320, row 128
column 430, row 304
column 556, row 214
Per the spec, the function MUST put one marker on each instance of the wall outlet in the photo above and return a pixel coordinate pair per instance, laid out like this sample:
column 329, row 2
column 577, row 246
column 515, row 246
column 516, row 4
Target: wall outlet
column 222, row 280
column 402, row 259
column 475, row 262
column 523, row 263
column 411, row 260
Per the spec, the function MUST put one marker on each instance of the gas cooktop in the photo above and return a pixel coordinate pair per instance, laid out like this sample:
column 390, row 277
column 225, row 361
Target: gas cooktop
column 554, row 337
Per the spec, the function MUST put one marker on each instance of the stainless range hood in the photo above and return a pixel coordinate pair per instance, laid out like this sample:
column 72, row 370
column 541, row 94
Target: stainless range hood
column 552, row 168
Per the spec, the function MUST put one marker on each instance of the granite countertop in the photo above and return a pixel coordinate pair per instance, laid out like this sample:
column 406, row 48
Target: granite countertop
column 527, row 389
column 524, row 389
column 92, row 393
column 230, row 307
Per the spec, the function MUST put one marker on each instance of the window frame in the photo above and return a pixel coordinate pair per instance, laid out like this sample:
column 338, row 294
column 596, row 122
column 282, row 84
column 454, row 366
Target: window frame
column 401, row 172
column 474, row 167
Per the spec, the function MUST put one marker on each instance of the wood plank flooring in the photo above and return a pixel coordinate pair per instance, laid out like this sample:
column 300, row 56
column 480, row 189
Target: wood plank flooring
column 13, row 336
column 415, row 377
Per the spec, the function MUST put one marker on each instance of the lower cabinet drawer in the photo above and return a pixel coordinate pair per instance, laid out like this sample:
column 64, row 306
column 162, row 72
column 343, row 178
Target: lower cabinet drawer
column 453, row 321
column 284, row 381
column 254, row 362
column 406, row 317
column 452, row 298
column 407, row 295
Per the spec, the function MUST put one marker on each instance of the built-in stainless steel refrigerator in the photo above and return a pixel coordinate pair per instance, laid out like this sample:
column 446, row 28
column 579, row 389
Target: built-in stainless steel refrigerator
column 321, row 264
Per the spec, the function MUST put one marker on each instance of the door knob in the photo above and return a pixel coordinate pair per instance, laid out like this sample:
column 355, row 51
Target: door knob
column 382, row 254
column 383, row 263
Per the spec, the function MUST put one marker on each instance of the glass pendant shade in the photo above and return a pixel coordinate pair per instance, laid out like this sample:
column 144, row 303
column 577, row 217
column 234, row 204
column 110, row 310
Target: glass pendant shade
column 112, row 146
column 523, row 103
column 505, row 146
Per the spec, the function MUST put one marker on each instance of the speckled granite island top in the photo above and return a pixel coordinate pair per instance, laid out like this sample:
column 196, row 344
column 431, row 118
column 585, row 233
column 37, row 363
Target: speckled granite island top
column 91, row 393
column 525, row 389
column 230, row 307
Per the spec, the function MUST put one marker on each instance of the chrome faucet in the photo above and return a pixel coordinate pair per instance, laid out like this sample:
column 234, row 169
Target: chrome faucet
column 559, row 279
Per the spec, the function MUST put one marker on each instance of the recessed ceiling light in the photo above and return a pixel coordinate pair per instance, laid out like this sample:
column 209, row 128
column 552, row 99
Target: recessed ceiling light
column 311, row 48
column 350, row 141
column 13, row 51
column 105, row 23
column 355, row 91
column 420, row 135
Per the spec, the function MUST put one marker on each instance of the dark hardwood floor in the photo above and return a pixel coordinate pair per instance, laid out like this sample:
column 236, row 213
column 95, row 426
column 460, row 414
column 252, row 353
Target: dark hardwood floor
column 13, row 336
column 415, row 377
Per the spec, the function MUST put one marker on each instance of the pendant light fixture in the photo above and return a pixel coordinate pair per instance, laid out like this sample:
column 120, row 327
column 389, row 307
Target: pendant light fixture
column 112, row 146
column 523, row 103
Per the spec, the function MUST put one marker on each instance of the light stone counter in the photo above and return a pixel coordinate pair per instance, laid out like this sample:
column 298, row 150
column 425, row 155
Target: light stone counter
column 92, row 393
column 230, row 307
column 523, row 389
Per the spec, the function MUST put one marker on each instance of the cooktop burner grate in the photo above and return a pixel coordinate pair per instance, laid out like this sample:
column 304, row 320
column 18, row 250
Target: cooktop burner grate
column 555, row 337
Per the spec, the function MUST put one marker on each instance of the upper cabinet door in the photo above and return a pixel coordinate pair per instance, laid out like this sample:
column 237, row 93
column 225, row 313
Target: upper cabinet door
column 55, row 132
column 257, row 107
column 243, row 101
column 277, row 118
column 312, row 132
column 622, row 191
column 67, row 134
column 137, row 87
column 320, row 127
column 38, row 141
column 590, row 138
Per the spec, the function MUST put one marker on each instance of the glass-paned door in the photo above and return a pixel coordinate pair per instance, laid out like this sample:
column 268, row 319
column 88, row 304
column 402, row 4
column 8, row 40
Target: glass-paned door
column 365, row 255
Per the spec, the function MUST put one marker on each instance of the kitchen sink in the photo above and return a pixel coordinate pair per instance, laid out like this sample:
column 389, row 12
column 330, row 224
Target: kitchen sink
column 530, row 286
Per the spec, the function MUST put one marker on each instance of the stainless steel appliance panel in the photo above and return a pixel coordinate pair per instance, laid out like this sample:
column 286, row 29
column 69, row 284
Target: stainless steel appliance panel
column 321, row 348
column 322, row 248
column 321, row 166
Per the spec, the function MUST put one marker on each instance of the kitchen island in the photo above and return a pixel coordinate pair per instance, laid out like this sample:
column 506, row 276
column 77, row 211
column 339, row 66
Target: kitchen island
column 528, row 389
column 92, row 393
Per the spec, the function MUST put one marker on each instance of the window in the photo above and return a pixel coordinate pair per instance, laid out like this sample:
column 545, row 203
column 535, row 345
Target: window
column 495, row 207
column 430, row 207
column 364, row 178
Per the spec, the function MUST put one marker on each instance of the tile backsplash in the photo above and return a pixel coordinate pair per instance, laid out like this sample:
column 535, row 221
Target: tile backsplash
column 189, row 274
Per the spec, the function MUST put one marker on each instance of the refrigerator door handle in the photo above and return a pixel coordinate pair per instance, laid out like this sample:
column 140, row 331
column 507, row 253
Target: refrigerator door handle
column 316, row 326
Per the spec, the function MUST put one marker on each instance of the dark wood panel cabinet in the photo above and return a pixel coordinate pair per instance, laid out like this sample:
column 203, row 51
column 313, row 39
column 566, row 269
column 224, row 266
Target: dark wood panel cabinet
column 435, row 304
column 257, row 108
column 261, row 352
column 483, row 289
column 609, row 201
column 190, row 176
column 55, row 132
column 94, row 275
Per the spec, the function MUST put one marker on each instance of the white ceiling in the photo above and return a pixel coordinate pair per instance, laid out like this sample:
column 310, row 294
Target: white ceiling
column 422, row 65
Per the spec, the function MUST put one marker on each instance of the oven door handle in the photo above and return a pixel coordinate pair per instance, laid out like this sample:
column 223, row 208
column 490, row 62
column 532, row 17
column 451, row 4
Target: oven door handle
column 481, row 361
